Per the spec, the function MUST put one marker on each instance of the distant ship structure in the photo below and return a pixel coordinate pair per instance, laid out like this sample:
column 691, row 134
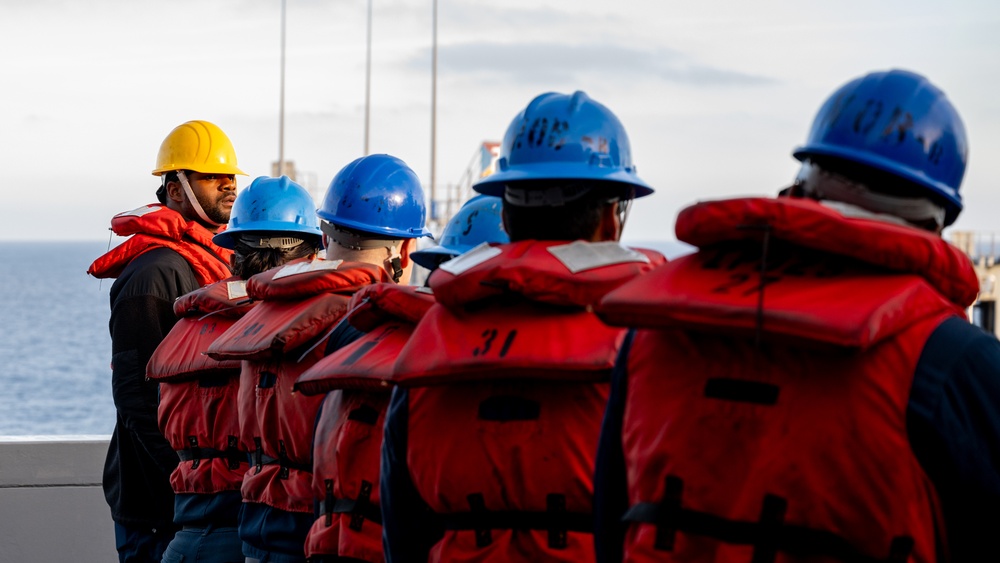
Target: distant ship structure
column 983, row 249
column 482, row 164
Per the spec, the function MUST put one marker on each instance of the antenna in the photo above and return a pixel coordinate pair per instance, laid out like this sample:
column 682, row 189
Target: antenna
column 434, row 69
column 368, row 75
column 281, row 111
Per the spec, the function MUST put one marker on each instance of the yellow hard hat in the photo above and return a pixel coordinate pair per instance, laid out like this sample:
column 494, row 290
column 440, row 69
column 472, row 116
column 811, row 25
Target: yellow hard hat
column 199, row 146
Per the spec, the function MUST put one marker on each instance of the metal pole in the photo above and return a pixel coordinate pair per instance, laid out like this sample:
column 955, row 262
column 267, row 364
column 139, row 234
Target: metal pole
column 281, row 113
column 434, row 67
column 368, row 76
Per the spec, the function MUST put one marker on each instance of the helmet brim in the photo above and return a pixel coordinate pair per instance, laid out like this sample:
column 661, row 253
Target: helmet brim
column 227, row 238
column 936, row 189
column 380, row 232
column 559, row 171
column 430, row 257
column 220, row 169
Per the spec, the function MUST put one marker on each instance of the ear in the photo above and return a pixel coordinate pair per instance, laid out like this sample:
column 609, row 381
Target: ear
column 407, row 247
column 609, row 228
column 175, row 192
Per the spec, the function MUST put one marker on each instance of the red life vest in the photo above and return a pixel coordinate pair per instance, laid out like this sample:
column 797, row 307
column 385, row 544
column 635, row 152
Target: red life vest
column 279, row 339
column 155, row 226
column 348, row 440
column 508, row 377
column 765, row 417
column 197, row 411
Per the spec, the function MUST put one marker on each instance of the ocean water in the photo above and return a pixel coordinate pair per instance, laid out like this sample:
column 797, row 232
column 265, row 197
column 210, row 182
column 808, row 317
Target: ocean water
column 55, row 350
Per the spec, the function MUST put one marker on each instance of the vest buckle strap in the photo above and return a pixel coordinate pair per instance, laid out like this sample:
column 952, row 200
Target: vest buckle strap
column 282, row 460
column 328, row 501
column 363, row 500
column 233, row 453
column 260, row 459
column 366, row 510
column 769, row 534
column 477, row 505
column 555, row 520
column 195, row 451
column 196, row 454
column 258, row 454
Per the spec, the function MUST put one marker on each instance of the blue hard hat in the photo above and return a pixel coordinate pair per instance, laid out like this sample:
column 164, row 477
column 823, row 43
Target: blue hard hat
column 895, row 122
column 478, row 221
column 564, row 137
column 378, row 195
column 273, row 205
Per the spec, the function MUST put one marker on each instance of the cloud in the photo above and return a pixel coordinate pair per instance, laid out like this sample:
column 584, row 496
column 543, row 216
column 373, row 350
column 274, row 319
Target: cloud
column 548, row 62
column 505, row 18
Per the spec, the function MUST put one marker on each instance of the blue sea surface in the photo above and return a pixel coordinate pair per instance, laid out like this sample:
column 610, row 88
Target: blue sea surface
column 55, row 350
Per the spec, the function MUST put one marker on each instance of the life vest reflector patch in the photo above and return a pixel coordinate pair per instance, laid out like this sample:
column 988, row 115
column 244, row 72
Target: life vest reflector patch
column 306, row 267
column 140, row 211
column 471, row 259
column 579, row 256
column 236, row 289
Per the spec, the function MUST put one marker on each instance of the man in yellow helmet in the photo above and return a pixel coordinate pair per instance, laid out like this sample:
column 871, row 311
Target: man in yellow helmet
column 169, row 253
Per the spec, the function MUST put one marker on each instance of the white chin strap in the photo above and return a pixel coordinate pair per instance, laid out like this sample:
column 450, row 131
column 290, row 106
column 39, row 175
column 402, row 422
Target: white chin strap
column 182, row 177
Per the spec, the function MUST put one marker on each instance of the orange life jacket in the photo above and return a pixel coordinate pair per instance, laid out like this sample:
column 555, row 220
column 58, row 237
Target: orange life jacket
column 348, row 440
column 766, row 391
column 508, row 382
column 197, row 411
column 154, row 226
column 279, row 339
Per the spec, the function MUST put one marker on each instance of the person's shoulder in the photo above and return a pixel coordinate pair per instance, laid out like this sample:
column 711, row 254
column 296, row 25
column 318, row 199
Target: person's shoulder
column 958, row 353
column 160, row 272
column 156, row 263
column 958, row 335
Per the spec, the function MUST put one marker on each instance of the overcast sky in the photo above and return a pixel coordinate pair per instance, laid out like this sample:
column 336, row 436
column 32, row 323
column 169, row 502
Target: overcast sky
column 714, row 94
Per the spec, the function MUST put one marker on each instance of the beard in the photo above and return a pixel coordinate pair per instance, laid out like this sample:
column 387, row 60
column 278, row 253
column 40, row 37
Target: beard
column 215, row 208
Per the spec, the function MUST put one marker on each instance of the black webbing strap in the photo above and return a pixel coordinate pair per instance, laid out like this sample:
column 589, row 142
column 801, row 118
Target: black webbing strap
column 260, row 459
column 554, row 519
column 258, row 454
column 768, row 535
column 360, row 509
column 195, row 453
column 233, row 453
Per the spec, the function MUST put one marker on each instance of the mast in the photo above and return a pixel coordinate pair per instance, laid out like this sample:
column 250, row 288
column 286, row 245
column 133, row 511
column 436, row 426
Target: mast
column 368, row 75
column 281, row 111
column 434, row 66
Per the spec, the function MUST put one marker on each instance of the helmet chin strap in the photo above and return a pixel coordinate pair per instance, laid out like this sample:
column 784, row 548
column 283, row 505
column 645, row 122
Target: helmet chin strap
column 182, row 177
column 396, row 261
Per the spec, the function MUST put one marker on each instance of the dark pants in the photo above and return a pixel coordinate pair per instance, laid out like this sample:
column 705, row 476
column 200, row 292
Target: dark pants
column 137, row 544
column 205, row 545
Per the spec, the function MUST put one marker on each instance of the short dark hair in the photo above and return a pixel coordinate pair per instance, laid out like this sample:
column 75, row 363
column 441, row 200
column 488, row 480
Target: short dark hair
column 249, row 261
column 577, row 219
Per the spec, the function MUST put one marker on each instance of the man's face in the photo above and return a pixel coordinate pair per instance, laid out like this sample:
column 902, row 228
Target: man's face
column 216, row 194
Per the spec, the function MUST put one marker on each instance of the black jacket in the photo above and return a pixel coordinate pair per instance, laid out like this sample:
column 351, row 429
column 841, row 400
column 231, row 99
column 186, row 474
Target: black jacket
column 139, row 463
